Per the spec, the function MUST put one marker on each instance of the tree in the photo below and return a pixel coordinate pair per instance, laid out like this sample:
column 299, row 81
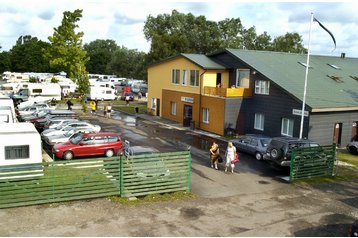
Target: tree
column 66, row 50
column 100, row 53
column 5, row 63
column 128, row 64
column 290, row 42
column 27, row 56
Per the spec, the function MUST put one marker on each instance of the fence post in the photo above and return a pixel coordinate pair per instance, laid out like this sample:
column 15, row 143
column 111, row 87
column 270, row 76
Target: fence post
column 189, row 172
column 291, row 164
column 121, row 183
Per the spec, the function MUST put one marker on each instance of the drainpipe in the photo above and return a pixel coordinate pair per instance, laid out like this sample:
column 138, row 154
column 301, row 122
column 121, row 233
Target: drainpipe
column 200, row 86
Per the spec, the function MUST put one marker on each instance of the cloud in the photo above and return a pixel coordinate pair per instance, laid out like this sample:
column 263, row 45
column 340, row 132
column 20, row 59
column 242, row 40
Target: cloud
column 48, row 15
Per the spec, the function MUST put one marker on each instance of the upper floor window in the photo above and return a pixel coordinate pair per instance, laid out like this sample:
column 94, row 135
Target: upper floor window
column 175, row 76
column 262, row 87
column 184, row 77
column 287, row 127
column 259, row 121
column 243, row 78
column 194, row 77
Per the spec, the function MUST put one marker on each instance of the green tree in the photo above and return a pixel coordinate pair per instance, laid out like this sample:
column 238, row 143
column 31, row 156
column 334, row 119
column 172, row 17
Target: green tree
column 100, row 53
column 5, row 63
column 290, row 42
column 66, row 51
column 27, row 56
column 128, row 63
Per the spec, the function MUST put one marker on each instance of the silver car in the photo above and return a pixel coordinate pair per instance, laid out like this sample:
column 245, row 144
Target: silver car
column 252, row 144
column 60, row 130
column 51, row 140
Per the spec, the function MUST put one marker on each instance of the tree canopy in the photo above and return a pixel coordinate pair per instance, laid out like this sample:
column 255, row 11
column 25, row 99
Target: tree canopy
column 66, row 50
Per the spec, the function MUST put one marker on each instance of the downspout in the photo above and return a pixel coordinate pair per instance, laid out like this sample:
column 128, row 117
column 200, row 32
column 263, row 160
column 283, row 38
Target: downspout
column 200, row 85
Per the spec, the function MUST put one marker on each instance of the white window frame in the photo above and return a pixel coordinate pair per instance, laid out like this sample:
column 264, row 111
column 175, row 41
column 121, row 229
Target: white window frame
column 262, row 87
column 184, row 81
column 259, row 121
column 175, row 76
column 205, row 115
column 173, row 108
column 154, row 103
column 287, row 127
column 196, row 78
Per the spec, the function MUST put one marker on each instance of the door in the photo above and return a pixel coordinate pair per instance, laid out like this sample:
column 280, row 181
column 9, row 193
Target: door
column 337, row 134
column 354, row 136
column 218, row 79
column 187, row 115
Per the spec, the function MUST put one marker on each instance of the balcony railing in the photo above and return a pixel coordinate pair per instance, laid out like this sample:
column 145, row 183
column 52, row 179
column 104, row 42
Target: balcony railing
column 227, row 92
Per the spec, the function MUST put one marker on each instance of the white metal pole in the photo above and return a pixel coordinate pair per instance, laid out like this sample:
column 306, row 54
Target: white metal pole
column 306, row 76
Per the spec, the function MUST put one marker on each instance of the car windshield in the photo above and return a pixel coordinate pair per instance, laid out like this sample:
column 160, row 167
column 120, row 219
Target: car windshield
column 76, row 138
column 69, row 133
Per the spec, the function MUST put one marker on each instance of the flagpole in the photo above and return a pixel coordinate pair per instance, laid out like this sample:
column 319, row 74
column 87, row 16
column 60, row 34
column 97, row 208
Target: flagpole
column 306, row 76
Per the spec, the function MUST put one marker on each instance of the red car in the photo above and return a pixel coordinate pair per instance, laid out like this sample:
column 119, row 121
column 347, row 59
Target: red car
column 89, row 144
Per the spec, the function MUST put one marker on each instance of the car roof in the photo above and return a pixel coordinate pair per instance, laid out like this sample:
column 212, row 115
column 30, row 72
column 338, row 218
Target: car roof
column 101, row 134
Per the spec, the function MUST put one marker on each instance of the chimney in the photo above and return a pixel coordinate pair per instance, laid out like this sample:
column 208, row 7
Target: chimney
column 343, row 55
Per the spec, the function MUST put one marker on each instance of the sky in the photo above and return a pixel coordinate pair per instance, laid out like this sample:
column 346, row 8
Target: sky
column 123, row 21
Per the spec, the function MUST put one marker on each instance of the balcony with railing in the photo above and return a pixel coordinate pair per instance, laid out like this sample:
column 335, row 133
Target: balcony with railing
column 228, row 92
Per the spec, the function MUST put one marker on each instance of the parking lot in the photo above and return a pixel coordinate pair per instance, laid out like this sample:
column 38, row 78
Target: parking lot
column 252, row 202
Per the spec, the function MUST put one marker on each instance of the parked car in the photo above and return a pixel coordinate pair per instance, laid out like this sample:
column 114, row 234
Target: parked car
column 51, row 140
column 60, row 130
column 353, row 147
column 130, row 95
column 279, row 149
column 252, row 144
column 40, row 122
column 55, row 122
column 30, row 109
column 36, row 114
column 353, row 229
column 153, row 168
column 89, row 144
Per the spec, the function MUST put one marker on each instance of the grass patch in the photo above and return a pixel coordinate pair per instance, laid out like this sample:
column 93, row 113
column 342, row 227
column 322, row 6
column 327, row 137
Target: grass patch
column 344, row 156
column 130, row 109
column 175, row 196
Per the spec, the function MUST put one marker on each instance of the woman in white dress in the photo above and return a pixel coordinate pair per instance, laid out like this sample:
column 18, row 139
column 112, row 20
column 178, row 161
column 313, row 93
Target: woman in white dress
column 230, row 156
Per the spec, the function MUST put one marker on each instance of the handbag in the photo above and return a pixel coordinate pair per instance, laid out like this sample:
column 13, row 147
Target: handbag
column 220, row 159
column 236, row 160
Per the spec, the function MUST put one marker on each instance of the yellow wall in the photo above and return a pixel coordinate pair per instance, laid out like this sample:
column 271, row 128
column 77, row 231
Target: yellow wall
column 160, row 78
column 216, row 108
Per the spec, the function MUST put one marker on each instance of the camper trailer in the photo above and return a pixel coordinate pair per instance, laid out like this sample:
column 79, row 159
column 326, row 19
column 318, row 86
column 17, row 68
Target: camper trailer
column 7, row 110
column 47, row 90
column 102, row 93
column 20, row 151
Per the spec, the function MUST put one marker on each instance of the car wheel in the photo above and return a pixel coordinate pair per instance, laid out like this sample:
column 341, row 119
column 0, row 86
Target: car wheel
column 258, row 155
column 353, row 150
column 68, row 155
column 275, row 153
column 109, row 153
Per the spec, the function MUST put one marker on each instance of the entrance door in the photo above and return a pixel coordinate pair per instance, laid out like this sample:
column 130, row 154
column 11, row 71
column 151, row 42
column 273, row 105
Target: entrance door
column 337, row 134
column 187, row 115
column 354, row 131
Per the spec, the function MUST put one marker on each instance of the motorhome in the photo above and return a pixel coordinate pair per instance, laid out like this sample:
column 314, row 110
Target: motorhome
column 47, row 90
column 66, row 84
column 17, row 78
column 102, row 93
column 7, row 110
column 20, row 151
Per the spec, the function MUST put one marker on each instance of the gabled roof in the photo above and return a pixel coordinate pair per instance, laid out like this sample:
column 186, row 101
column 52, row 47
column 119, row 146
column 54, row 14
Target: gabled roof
column 202, row 61
column 328, row 87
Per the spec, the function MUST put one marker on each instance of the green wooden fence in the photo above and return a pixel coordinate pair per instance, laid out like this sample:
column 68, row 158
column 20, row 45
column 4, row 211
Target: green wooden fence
column 312, row 162
column 58, row 181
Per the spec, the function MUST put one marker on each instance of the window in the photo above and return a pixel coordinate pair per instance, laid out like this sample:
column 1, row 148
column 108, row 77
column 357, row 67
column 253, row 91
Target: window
column 242, row 78
column 37, row 90
column 287, row 127
column 175, row 76
column 206, row 115
column 17, row 152
column 259, row 121
column 262, row 87
column 173, row 107
column 194, row 77
column 154, row 103
column 184, row 77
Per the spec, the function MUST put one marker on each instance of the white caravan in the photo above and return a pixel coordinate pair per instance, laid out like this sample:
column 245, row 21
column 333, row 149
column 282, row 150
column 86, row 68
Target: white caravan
column 46, row 90
column 7, row 110
column 102, row 93
column 20, row 151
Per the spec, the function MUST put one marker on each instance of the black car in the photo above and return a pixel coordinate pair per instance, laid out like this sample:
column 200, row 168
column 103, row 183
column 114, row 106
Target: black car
column 252, row 144
column 353, row 147
column 353, row 229
column 279, row 149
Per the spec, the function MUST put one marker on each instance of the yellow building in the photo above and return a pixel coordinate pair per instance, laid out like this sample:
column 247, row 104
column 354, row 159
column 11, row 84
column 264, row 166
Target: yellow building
column 195, row 91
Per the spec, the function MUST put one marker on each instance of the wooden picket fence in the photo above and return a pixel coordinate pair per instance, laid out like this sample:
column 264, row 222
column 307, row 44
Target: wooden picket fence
column 58, row 181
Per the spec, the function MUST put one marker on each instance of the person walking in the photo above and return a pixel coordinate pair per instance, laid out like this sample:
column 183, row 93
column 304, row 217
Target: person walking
column 109, row 110
column 214, row 155
column 93, row 107
column 230, row 157
column 69, row 104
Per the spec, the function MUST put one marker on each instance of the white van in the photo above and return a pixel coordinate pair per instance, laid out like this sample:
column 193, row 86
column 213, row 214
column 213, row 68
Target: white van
column 47, row 90
column 102, row 93
column 7, row 110
column 20, row 151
